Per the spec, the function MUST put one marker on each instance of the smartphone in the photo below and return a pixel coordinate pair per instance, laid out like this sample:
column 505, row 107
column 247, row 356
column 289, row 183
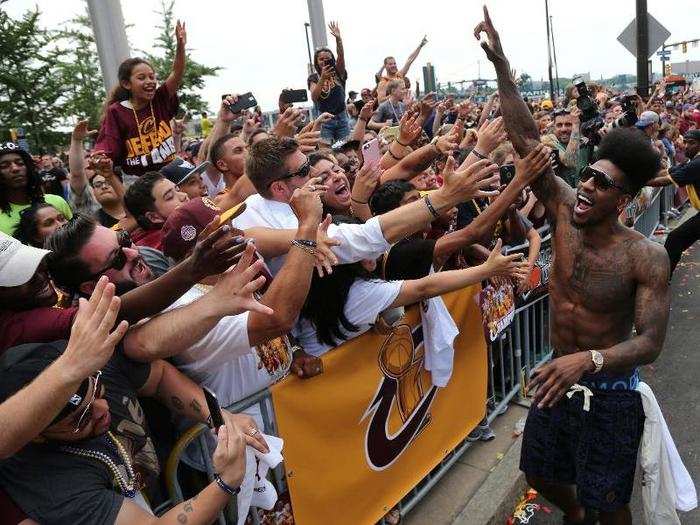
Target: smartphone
column 329, row 62
column 215, row 417
column 370, row 152
column 290, row 96
column 245, row 101
column 507, row 172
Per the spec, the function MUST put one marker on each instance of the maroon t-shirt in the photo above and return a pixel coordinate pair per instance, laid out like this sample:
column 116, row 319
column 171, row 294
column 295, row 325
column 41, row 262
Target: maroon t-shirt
column 147, row 146
column 39, row 325
column 151, row 238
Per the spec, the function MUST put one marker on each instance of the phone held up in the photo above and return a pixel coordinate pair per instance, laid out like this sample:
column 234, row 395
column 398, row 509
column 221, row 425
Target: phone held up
column 245, row 101
column 370, row 152
column 216, row 418
column 290, row 96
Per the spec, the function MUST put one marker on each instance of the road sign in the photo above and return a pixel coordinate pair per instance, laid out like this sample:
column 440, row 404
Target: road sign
column 664, row 53
column 657, row 36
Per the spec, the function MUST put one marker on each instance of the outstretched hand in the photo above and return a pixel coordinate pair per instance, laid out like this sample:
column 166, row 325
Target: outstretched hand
column 492, row 47
column 180, row 34
column 472, row 181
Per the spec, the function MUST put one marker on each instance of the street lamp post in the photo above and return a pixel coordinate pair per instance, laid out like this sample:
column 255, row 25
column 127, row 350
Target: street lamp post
column 308, row 47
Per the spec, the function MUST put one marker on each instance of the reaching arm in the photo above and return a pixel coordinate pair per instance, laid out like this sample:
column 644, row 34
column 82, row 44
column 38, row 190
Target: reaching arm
column 287, row 293
column 521, row 126
column 411, row 58
column 340, row 53
column 176, row 330
column 420, row 160
column 175, row 78
column 442, row 282
column 76, row 163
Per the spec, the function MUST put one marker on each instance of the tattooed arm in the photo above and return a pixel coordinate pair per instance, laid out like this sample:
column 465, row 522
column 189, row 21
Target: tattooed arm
column 522, row 128
column 651, row 311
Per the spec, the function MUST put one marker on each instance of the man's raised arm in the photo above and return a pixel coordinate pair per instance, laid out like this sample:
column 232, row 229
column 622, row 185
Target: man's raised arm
column 521, row 127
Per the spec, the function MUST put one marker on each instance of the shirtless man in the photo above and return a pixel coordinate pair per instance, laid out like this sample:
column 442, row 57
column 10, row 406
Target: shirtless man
column 393, row 72
column 579, row 450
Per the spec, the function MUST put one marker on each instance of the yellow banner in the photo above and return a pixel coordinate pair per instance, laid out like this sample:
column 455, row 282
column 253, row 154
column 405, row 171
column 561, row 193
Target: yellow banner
column 360, row 436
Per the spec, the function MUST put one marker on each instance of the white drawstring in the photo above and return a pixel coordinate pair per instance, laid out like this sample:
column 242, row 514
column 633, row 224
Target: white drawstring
column 587, row 395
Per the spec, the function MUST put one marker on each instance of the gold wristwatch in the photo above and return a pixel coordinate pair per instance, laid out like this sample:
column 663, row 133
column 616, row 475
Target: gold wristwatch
column 598, row 360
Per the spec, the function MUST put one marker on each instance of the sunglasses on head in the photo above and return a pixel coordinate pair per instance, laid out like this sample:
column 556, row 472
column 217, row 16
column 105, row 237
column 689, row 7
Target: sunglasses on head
column 560, row 111
column 87, row 411
column 601, row 180
column 303, row 172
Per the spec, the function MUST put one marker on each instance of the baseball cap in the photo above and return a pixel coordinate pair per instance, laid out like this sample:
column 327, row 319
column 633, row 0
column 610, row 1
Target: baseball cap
column 20, row 365
column 184, row 225
column 693, row 134
column 18, row 262
column 177, row 171
column 11, row 147
column 546, row 104
column 647, row 118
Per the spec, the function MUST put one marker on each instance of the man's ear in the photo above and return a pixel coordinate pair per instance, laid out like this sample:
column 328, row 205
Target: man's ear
column 221, row 165
column 277, row 189
column 154, row 217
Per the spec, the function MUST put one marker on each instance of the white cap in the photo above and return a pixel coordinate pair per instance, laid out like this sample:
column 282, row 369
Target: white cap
column 18, row 262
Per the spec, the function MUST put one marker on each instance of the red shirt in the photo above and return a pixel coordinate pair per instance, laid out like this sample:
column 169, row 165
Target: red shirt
column 150, row 238
column 147, row 146
column 39, row 325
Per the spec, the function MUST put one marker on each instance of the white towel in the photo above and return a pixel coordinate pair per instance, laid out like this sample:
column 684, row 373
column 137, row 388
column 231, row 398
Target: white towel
column 255, row 489
column 666, row 483
column 439, row 332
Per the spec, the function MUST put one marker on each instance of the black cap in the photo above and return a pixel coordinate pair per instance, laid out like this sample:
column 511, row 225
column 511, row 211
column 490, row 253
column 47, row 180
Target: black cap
column 178, row 170
column 20, row 365
column 693, row 134
column 11, row 147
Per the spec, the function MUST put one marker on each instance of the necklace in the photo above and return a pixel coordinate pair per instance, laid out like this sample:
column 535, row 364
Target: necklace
column 127, row 484
column 136, row 117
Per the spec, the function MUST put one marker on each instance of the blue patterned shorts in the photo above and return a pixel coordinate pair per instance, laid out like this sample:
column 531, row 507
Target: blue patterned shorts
column 594, row 450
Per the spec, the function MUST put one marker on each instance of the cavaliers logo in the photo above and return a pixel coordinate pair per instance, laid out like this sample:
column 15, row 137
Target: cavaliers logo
column 147, row 126
column 401, row 389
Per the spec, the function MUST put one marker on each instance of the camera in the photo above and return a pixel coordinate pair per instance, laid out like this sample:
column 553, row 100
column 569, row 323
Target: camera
column 591, row 119
column 329, row 62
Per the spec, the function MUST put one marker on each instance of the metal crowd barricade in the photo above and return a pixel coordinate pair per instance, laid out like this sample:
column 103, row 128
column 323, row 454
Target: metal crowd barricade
column 647, row 221
column 197, row 434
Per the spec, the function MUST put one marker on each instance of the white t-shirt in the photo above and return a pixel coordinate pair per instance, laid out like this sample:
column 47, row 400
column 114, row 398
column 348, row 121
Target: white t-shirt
column 223, row 359
column 366, row 300
column 357, row 241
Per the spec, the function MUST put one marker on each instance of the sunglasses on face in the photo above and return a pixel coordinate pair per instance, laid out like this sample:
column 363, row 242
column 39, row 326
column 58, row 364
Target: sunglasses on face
column 100, row 184
column 87, row 411
column 119, row 260
column 302, row 172
column 602, row 181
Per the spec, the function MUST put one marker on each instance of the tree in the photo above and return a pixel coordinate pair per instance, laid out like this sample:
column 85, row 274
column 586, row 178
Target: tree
column 163, row 62
column 33, row 86
column 81, row 71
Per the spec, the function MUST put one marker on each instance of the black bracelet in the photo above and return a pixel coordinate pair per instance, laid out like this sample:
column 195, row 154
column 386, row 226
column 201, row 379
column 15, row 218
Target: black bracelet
column 225, row 486
column 479, row 155
column 358, row 202
column 431, row 208
column 402, row 144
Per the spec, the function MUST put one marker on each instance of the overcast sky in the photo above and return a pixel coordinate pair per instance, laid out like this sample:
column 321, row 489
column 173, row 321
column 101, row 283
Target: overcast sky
column 262, row 48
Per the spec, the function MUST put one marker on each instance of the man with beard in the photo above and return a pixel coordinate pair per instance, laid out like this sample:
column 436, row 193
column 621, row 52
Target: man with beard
column 566, row 141
column 585, row 424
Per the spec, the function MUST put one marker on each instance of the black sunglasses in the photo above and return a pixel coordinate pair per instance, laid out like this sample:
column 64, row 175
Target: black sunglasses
column 601, row 180
column 303, row 171
column 560, row 111
column 83, row 418
column 119, row 260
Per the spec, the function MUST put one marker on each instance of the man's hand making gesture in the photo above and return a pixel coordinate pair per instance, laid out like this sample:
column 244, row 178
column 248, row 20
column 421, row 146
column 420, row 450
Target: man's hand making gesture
column 492, row 47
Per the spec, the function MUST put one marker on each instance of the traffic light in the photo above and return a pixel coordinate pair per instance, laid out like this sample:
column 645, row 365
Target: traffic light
column 667, row 70
column 685, row 47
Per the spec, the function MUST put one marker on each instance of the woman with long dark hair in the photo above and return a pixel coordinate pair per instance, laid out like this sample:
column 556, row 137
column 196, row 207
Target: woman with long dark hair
column 345, row 303
column 135, row 131
column 327, row 88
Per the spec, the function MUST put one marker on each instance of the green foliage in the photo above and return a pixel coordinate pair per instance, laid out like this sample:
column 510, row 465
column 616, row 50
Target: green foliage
column 162, row 62
column 32, row 84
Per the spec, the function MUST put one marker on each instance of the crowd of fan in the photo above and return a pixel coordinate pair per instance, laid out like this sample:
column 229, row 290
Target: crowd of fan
column 227, row 260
